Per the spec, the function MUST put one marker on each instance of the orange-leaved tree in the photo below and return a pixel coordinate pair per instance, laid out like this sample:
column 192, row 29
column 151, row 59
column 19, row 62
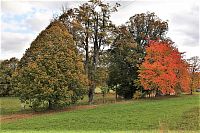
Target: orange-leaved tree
column 164, row 69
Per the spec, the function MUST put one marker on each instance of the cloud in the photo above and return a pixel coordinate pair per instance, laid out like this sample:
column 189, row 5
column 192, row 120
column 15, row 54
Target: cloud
column 186, row 24
column 22, row 21
column 15, row 41
column 13, row 26
column 15, row 7
column 38, row 21
column 15, row 44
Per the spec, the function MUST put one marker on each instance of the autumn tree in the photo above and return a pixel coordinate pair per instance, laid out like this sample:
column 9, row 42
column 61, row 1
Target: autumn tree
column 183, row 77
column 194, row 63
column 123, row 66
column 51, row 70
column 139, row 29
column 7, row 67
column 195, row 81
column 92, row 29
column 163, row 69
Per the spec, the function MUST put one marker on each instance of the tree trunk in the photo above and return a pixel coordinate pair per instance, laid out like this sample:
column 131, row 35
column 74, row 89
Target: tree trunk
column 87, row 50
column 95, row 62
column 93, row 84
column 50, row 105
column 103, row 98
column 91, row 94
column 115, row 94
column 86, row 60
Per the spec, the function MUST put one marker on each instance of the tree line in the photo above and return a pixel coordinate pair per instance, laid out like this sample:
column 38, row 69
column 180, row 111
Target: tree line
column 82, row 49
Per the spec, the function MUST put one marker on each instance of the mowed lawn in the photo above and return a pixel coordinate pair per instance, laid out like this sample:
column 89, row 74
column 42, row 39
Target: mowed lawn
column 170, row 114
column 11, row 105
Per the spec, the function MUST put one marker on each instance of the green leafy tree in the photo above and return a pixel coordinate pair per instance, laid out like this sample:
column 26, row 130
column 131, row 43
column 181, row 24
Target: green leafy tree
column 147, row 26
column 104, row 91
column 51, row 71
column 124, row 60
column 7, row 67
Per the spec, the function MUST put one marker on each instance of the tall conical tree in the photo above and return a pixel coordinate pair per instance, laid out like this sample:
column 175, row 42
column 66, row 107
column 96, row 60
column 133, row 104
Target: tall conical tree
column 51, row 71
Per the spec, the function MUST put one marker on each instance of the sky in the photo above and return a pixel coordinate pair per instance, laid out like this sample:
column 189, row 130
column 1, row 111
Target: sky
column 23, row 20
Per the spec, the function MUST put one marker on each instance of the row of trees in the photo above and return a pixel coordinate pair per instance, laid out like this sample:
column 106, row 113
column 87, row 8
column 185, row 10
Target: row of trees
column 82, row 49
column 93, row 31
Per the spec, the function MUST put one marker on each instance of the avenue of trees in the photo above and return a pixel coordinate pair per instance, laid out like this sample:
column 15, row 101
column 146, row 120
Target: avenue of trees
column 82, row 49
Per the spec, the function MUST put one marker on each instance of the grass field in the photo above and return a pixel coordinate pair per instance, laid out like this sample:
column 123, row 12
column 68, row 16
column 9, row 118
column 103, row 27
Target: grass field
column 170, row 114
column 9, row 105
column 12, row 105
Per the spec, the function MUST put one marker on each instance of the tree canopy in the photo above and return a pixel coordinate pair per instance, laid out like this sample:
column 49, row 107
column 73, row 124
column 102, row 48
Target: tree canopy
column 194, row 65
column 164, row 69
column 7, row 67
column 147, row 26
column 124, row 59
column 51, row 70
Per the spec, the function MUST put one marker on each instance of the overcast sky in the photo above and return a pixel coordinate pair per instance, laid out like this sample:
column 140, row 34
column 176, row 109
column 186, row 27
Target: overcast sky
column 22, row 21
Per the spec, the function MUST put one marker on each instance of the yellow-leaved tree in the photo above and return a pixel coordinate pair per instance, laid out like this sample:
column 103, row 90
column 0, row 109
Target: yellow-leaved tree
column 51, row 72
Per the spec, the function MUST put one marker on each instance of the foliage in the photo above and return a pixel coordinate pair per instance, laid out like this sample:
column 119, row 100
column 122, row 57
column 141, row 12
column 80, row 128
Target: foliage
column 51, row 71
column 140, row 28
column 104, row 91
column 7, row 67
column 102, row 70
column 90, row 24
column 194, row 63
column 147, row 26
column 150, row 115
column 123, row 65
column 137, row 95
column 164, row 69
column 196, row 81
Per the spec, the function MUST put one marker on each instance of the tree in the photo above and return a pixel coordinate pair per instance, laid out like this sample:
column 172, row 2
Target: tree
column 92, row 29
column 139, row 29
column 7, row 67
column 147, row 26
column 51, row 71
column 123, row 65
column 195, row 81
column 104, row 91
column 194, row 63
column 183, row 76
column 164, row 69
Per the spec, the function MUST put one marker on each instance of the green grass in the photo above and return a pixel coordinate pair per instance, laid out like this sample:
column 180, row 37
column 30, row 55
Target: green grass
column 98, row 99
column 171, row 114
column 10, row 105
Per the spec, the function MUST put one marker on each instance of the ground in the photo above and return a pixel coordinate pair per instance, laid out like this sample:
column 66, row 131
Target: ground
column 178, row 114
